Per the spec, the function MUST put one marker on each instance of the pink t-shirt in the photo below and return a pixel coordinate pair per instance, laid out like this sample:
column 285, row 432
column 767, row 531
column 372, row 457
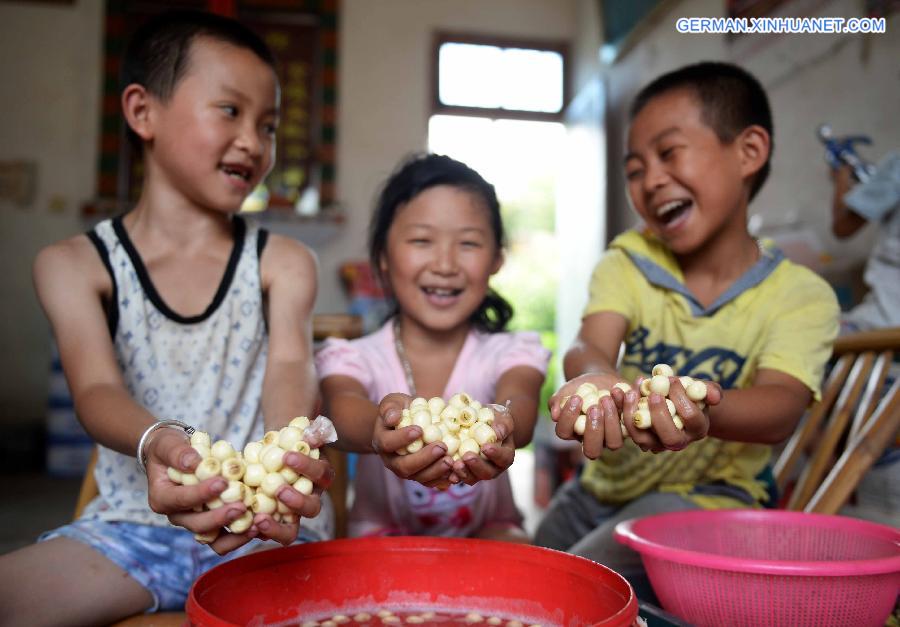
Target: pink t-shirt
column 385, row 504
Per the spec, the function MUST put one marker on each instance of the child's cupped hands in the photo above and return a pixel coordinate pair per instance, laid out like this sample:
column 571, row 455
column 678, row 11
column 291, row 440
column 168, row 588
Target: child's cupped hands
column 663, row 434
column 183, row 504
column 498, row 456
column 431, row 465
column 608, row 415
column 602, row 426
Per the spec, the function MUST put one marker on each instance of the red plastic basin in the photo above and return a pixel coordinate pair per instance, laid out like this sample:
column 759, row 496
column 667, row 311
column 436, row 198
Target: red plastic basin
column 417, row 573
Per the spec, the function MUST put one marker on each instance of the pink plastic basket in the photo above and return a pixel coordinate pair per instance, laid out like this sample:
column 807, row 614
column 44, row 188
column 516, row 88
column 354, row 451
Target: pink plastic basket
column 768, row 567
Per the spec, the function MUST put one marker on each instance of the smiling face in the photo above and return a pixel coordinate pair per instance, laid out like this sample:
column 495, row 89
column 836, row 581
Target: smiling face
column 213, row 140
column 440, row 254
column 686, row 184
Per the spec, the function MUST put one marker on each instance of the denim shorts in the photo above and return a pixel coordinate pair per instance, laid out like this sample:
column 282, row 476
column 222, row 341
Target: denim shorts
column 164, row 560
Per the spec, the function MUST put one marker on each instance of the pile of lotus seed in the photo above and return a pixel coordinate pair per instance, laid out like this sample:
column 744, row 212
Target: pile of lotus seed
column 461, row 423
column 428, row 617
column 254, row 475
column 658, row 383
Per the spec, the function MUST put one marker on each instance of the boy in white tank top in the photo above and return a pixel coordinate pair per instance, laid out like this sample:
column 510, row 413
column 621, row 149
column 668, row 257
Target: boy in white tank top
column 178, row 310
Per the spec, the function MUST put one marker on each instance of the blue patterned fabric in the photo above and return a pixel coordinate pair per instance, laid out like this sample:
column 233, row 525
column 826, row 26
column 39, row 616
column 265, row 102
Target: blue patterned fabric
column 164, row 560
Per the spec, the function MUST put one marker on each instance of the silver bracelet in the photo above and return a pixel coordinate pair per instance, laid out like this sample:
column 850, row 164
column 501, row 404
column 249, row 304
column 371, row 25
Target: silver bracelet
column 141, row 462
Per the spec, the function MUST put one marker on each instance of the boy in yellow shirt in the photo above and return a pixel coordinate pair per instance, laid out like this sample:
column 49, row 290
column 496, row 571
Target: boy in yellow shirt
column 693, row 289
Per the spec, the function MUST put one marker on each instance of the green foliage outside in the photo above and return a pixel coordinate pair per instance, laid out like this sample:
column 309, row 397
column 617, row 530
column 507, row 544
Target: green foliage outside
column 529, row 276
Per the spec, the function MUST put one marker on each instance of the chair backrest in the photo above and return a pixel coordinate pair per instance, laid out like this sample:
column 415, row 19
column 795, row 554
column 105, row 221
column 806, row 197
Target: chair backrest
column 348, row 327
column 88, row 489
column 324, row 325
column 844, row 433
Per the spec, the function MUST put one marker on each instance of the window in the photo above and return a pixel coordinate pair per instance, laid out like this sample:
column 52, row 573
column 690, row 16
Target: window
column 498, row 107
column 499, row 78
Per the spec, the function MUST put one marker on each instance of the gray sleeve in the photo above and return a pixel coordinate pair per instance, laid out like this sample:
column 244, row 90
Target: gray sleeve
column 876, row 198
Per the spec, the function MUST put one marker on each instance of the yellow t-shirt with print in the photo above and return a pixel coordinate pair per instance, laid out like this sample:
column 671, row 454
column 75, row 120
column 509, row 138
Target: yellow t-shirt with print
column 779, row 315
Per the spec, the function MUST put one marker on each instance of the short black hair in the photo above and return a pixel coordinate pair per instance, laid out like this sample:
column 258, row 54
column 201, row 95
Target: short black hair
column 158, row 53
column 418, row 173
column 731, row 99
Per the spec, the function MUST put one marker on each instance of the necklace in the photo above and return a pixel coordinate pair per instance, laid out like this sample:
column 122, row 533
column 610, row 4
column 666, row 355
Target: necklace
column 404, row 360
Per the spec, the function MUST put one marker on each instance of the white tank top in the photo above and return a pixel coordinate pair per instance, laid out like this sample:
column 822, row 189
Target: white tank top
column 206, row 370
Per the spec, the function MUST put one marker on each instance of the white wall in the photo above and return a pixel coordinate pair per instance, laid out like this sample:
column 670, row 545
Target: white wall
column 50, row 72
column 851, row 81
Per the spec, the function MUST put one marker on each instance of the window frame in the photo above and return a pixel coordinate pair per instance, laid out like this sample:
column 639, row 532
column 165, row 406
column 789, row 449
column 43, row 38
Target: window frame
column 445, row 37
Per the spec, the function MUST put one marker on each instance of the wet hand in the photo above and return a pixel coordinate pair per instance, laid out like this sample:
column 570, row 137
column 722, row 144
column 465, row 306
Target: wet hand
column 498, row 456
column 430, row 466
column 183, row 503
column 565, row 406
column 664, row 434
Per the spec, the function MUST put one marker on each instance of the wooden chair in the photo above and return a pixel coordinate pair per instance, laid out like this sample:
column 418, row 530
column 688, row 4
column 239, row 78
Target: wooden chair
column 346, row 326
column 324, row 325
column 844, row 433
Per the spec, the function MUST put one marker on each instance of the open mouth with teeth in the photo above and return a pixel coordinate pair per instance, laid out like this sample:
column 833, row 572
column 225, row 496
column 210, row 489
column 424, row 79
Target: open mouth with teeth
column 441, row 294
column 672, row 211
column 238, row 172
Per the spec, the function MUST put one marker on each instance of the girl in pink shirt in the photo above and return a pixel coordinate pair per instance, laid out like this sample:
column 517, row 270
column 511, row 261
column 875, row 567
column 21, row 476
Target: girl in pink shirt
column 435, row 240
